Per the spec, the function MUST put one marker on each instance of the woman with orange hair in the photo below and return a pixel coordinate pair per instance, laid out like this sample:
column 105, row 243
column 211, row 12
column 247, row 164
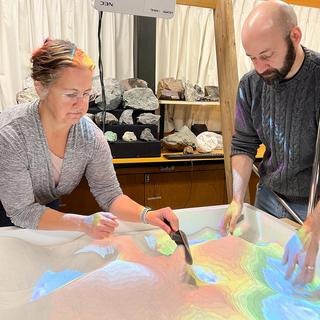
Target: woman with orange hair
column 48, row 145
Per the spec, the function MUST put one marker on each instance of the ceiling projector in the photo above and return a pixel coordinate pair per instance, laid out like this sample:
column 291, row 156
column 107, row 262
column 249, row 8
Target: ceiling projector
column 147, row 8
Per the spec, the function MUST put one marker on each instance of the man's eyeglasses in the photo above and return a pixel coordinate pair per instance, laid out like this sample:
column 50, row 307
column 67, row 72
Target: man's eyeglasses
column 76, row 95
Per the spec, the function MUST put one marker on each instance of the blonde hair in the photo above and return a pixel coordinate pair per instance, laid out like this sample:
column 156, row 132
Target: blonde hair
column 54, row 56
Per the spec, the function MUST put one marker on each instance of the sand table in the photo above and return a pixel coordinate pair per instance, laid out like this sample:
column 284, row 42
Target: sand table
column 144, row 276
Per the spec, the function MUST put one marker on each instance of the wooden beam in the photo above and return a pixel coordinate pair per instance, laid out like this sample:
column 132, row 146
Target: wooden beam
column 227, row 77
column 199, row 3
column 213, row 3
column 305, row 3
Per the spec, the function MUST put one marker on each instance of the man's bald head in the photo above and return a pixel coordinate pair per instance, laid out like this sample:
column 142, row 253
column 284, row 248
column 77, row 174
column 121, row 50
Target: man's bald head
column 271, row 38
column 270, row 16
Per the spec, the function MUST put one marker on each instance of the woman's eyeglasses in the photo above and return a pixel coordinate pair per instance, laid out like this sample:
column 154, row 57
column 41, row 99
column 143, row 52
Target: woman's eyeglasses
column 76, row 95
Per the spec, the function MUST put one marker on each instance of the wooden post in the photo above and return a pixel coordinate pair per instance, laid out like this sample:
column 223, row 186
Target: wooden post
column 228, row 79
column 199, row 3
column 305, row 3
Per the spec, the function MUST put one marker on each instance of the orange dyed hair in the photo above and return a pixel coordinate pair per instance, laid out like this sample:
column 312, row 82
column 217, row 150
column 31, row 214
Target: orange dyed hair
column 55, row 55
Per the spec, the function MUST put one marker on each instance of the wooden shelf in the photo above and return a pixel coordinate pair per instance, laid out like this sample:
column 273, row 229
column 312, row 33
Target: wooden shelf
column 162, row 159
column 190, row 103
column 164, row 103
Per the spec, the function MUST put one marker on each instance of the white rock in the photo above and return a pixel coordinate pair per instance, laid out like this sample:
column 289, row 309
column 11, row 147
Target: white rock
column 206, row 141
column 129, row 136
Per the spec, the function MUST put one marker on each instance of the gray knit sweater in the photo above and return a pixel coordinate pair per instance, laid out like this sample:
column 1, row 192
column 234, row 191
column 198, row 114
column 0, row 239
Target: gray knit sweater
column 284, row 117
column 26, row 179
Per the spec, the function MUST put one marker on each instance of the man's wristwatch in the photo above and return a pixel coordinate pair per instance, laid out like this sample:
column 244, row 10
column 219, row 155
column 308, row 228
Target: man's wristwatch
column 143, row 214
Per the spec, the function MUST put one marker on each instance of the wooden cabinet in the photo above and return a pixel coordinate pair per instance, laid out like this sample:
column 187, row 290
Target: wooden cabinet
column 133, row 186
column 184, row 189
column 79, row 201
column 178, row 185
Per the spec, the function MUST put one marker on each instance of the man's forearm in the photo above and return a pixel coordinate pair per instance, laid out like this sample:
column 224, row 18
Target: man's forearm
column 241, row 172
column 312, row 223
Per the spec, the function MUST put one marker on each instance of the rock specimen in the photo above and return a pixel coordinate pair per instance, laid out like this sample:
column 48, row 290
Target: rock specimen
column 211, row 93
column 147, row 135
column 110, row 119
column 206, row 142
column 131, row 83
column 129, row 136
column 170, row 89
column 111, row 136
column 193, row 92
column 140, row 98
column 177, row 141
column 28, row 93
column 126, row 117
column 112, row 90
column 148, row 118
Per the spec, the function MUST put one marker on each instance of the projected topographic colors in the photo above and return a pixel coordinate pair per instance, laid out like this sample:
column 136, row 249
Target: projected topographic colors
column 144, row 276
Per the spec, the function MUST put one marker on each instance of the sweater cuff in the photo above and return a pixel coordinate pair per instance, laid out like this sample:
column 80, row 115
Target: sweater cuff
column 237, row 152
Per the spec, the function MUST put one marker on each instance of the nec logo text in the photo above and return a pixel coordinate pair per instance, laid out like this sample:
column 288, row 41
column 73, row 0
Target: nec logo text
column 106, row 3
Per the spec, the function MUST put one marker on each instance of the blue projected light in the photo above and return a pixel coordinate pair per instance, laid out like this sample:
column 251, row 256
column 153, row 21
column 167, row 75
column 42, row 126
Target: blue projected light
column 279, row 307
column 51, row 281
column 203, row 275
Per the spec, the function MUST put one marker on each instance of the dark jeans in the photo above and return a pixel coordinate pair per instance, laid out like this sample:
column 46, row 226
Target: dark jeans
column 6, row 222
column 266, row 201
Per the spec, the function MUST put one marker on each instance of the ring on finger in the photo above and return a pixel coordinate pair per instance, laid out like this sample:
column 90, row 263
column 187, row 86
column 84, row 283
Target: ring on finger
column 309, row 268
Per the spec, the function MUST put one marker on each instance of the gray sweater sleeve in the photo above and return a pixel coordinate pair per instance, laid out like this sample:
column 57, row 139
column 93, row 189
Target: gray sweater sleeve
column 101, row 175
column 16, row 189
column 245, row 139
column 26, row 181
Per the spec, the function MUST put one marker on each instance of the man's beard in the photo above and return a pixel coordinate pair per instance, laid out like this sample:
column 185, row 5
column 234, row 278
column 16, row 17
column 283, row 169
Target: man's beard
column 274, row 75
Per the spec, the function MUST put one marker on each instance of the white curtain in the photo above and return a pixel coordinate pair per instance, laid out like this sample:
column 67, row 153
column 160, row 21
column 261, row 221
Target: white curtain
column 184, row 46
column 186, row 50
column 24, row 24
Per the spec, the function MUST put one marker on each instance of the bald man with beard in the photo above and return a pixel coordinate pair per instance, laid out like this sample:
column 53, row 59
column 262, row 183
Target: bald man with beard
column 278, row 104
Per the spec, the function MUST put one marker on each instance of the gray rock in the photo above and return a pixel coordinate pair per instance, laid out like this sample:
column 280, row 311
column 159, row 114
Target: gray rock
column 140, row 98
column 211, row 91
column 193, row 92
column 110, row 119
column 148, row 118
column 111, row 136
column 179, row 140
column 147, row 135
column 112, row 90
column 27, row 95
column 129, row 136
column 126, row 117
column 131, row 83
